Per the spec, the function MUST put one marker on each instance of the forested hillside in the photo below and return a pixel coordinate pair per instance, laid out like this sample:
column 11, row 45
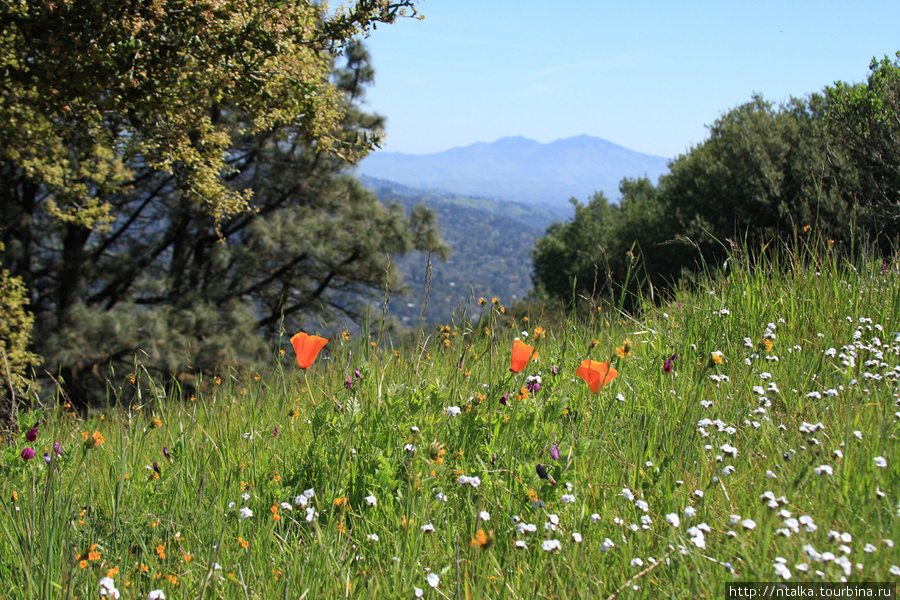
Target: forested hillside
column 490, row 252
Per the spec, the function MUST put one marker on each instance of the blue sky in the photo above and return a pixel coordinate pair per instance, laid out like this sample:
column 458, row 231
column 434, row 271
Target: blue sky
column 647, row 75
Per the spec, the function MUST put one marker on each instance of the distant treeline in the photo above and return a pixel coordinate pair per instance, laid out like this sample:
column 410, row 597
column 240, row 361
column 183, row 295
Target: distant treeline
column 826, row 167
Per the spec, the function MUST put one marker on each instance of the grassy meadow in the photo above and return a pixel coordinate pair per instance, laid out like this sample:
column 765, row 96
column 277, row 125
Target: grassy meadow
column 750, row 435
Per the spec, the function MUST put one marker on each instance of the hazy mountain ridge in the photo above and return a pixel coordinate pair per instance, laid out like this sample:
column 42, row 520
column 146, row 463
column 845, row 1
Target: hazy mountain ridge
column 519, row 169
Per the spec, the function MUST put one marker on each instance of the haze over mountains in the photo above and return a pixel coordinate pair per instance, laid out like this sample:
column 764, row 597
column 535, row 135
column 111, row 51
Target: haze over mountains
column 520, row 170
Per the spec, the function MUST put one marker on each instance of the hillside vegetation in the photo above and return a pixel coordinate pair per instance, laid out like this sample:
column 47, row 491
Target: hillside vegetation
column 749, row 435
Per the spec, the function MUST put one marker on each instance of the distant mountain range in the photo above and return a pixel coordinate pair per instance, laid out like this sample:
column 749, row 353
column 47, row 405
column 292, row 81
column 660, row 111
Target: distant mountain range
column 520, row 170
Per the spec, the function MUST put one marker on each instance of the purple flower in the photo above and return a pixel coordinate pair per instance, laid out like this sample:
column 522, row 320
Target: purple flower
column 493, row 459
column 504, row 399
column 156, row 468
column 554, row 452
column 349, row 383
column 357, row 374
column 554, row 370
column 166, row 452
column 669, row 364
column 57, row 447
column 27, row 454
column 31, row 435
column 47, row 457
column 275, row 432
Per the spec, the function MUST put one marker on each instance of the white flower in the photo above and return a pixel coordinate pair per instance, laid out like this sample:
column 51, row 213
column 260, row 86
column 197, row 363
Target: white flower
column 869, row 548
column 484, row 515
column 409, row 448
column 156, row 595
column 418, row 592
column 473, row 481
column 689, row 512
column 550, row 545
column 311, row 514
column 433, row 580
column 526, row 528
column 521, row 545
column 371, row 500
column 576, row 537
column 698, row 493
column 823, row 470
column 106, row 583
column 637, row 562
column 310, row 493
column 641, row 505
column 452, row 411
column 673, row 520
column 427, row 528
column 626, row 493
column 372, row 537
column 245, row 496
column 567, row 498
column 782, row 571
column 880, row 462
column 895, row 570
column 246, row 513
column 748, row 524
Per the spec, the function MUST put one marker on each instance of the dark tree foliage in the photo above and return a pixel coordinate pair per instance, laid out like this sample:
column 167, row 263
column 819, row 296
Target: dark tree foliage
column 188, row 293
column 765, row 172
column 864, row 121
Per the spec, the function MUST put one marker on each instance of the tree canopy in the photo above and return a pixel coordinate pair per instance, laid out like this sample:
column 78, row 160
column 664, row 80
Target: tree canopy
column 826, row 166
column 173, row 179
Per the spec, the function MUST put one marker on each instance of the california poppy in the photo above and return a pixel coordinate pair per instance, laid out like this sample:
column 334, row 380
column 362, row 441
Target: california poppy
column 597, row 374
column 307, row 348
column 521, row 354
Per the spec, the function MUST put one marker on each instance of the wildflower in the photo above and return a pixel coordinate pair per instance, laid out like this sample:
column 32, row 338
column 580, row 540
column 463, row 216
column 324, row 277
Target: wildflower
column 554, row 452
column 717, row 358
column 879, row 461
column 624, row 351
column 504, row 399
column 27, row 454
column 596, row 374
column 156, row 595
column 433, row 580
column 473, row 481
column 669, row 363
column 543, row 474
column 453, row 410
column 371, row 500
column 823, row 470
column 673, row 520
column 521, row 354
column 748, row 524
column 533, row 383
column 372, row 537
column 307, row 348
column 246, row 513
column 637, row 562
column 482, row 540
column 550, row 545
column 567, row 498
column 57, row 447
column 32, row 434
column 427, row 528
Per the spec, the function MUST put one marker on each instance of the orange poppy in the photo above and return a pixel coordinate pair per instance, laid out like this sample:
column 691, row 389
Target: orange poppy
column 597, row 374
column 307, row 348
column 521, row 354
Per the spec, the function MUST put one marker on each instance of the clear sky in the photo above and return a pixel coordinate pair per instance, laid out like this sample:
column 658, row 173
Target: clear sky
column 646, row 75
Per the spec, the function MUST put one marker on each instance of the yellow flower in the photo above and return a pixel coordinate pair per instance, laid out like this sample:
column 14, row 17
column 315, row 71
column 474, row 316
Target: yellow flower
column 346, row 335
column 766, row 344
column 482, row 302
column 155, row 423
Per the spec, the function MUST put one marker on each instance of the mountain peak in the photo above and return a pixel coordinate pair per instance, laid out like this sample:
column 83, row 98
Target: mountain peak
column 520, row 169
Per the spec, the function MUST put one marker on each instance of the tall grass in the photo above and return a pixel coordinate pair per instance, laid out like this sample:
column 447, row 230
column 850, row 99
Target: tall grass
column 782, row 404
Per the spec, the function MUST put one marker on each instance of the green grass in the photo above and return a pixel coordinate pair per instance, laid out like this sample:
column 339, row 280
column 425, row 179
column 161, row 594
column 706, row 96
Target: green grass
column 271, row 436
